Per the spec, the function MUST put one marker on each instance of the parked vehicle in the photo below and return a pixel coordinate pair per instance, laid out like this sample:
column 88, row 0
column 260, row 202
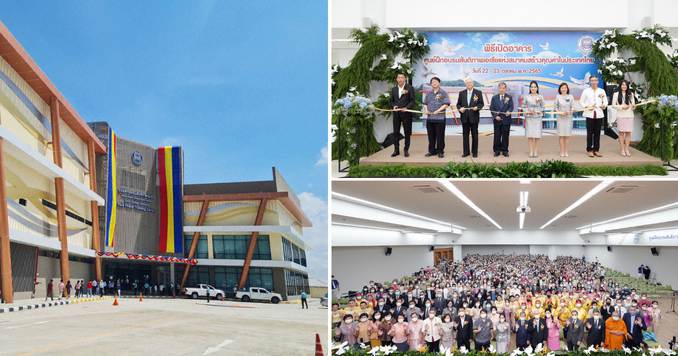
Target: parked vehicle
column 258, row 294
column 323, row 300
column 201, row 292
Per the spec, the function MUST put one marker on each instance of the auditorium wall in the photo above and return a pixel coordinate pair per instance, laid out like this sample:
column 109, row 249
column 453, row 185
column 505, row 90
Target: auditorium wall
column 355, row 266
column 627, row 259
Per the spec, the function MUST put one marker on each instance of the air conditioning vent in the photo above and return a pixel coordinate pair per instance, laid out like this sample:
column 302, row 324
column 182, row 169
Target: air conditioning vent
column 428, row 189
column 621, row 189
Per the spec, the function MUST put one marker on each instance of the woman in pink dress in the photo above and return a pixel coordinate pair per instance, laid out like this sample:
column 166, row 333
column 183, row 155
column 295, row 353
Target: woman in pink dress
column 414, row 332
column 553, row 326
column 624, row 101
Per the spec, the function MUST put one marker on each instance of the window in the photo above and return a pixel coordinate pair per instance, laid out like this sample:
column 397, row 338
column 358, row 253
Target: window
column 198, row 275
column 235, row 247
column 296, row 282
column 201, row 251
column 227, row 278
column 260, row 277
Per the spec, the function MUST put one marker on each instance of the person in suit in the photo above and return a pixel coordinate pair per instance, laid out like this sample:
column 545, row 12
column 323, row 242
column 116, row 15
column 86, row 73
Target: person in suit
column 398, row 309
column 469, row 104
column 521, row 328
column 413, row 309
column 435, row 104
column 501, row 104
column 402, row 98
column 595, row 327
column 636, row 339
column 633, row 326
column 464, row 329
column 538, row 332
column 574, row 331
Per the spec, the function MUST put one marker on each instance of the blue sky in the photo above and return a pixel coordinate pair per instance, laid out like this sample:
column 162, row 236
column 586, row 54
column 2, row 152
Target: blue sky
column 241, row 85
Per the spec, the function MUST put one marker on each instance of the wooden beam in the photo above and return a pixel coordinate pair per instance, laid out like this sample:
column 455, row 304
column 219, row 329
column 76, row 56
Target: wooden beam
column 5, row 255
column 252, row 244
column 194, row 242
column 96, row 241
column 59, row 189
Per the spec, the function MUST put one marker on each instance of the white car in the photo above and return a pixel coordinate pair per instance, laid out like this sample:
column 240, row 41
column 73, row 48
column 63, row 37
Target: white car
column 201, row 291
column 258, row 294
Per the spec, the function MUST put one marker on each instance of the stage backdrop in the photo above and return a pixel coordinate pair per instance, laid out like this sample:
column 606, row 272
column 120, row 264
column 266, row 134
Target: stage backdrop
column 516, row 58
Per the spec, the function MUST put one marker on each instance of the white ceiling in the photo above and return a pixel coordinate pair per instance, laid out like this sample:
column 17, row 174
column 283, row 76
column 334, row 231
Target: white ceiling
column 499, row 199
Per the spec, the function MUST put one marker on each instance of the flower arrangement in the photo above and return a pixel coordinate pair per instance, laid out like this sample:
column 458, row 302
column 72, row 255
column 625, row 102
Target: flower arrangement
column 353, row 116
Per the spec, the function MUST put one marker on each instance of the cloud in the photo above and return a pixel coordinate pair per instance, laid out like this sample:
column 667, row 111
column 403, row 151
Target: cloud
column 316, row 237
column 170, row 141
column 501, row 37
column 323, row 157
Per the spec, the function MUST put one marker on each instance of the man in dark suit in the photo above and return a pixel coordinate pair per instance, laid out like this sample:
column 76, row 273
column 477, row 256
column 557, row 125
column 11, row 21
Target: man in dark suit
column 574, row 331
column 538, row 332
column 632, row 325
column 469, row 104
column 464, row 329
column 501, row 104
column 402, row 97
column 596, row 330
column 521, row 328
column 399, row 308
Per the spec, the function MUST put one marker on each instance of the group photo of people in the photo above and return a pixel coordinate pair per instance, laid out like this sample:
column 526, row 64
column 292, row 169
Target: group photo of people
column 498, row 303
column 594, row 106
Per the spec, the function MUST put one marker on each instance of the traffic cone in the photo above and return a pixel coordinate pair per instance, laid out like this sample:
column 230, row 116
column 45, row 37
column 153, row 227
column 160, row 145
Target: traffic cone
column 141, row 297
column 115, row 301
column 318, row 346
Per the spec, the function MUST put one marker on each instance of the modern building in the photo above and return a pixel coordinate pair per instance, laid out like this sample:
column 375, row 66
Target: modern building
column 48, row 201
column 245, row 234
column 77, row 202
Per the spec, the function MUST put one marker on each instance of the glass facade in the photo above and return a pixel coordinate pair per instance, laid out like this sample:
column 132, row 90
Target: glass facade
column 201, row 251
column 296, row 282
column 227, row 278
column 235, row 247
column 293, row 253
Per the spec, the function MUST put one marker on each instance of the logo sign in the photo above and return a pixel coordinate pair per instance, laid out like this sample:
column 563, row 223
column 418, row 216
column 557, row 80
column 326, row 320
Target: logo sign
column 137, row 158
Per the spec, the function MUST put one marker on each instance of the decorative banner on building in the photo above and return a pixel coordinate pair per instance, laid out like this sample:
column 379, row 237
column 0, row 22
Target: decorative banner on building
column 111, row 189
column 550, row 58
column 171, row 199
column 152, row 258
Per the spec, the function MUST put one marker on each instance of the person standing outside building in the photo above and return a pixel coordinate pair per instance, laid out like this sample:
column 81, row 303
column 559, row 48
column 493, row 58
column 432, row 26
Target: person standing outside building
column 50, row 290
column 304, row 299
column 402, row 98
column 593, row 100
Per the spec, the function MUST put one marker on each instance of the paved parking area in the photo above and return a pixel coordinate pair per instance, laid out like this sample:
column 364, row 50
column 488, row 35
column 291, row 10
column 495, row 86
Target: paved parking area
column 165, row 326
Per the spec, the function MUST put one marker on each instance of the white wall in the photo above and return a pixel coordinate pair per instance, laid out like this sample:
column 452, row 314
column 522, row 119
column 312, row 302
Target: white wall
column 343, row 235
column 355, row 266
column 495, row 249
column 627, row 259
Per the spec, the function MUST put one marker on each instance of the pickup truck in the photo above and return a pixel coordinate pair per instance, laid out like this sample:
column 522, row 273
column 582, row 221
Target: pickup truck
column 258, row 294
column 201, row 291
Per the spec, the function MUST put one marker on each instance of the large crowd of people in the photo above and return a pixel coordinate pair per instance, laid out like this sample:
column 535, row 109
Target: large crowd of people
column 517, row 301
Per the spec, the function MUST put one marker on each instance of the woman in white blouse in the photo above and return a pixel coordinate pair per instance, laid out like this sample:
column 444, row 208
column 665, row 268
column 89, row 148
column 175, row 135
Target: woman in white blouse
column 624, row 102
column 565, row 104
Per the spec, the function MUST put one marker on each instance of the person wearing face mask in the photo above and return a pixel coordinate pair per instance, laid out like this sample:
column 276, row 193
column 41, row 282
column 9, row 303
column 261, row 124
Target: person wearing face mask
column 494, row 315
column 656, row 316
column 607, row 310
column 385, row 328
column 448, row 333
column 636, row 332
column 521, row 328
column 615, row 332
column 595, row 328
column 381, row 306
column 482, row 328
column 427, row 308
column 538, row 331
column 574, row 329
column 362, row 332
column 413, row 309
column 399, row 333
column 415, row 332
column 433, row 331
column 375, row 340
column 346, row 332
column 398, row 309
column 464, row 329
column 553, row 327
column 631, row 323
column 502, row 334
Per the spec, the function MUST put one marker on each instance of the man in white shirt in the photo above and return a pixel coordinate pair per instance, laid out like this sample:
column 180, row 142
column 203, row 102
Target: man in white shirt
column 593, row 100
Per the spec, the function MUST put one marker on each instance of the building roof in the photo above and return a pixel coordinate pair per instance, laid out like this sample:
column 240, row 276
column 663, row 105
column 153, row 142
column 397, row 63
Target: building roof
column 275, row 189
column 12, row 51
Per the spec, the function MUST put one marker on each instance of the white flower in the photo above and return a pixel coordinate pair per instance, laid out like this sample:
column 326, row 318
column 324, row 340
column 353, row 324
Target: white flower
column 362, row 345
column 538, row 348
column 341, row 349
column 491, row 349
column 401, row 45
column 626, row 350
column 335, row 68
column 613, row 44
column 395, row 65
column 425, row 41
column 463, row 350
column 528, row 350
column 386, row 95
column 391, row 38
column 352, row 89
column 611, row 67
column 383, row 56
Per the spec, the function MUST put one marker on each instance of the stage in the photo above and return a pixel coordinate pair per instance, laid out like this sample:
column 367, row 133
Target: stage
column 518, row 149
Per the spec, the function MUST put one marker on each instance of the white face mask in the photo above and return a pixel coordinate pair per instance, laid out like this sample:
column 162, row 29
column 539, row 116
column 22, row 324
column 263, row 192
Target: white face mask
column 348, row 321
column 522, row 318
column 431, row 316
column 615, row 318
column 387, row 318
column 414, row 318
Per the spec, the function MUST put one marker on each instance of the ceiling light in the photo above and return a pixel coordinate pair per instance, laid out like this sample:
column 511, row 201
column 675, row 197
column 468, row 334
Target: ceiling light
column 522, row 220
column 602, row 185
column 454, row 190
column 631, row 215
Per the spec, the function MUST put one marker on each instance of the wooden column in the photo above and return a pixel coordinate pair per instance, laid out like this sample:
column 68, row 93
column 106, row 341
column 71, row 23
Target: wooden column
column 59, row 189
column 252, row 244
column 5, row 255
column 96, row 241
column 194, row 242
